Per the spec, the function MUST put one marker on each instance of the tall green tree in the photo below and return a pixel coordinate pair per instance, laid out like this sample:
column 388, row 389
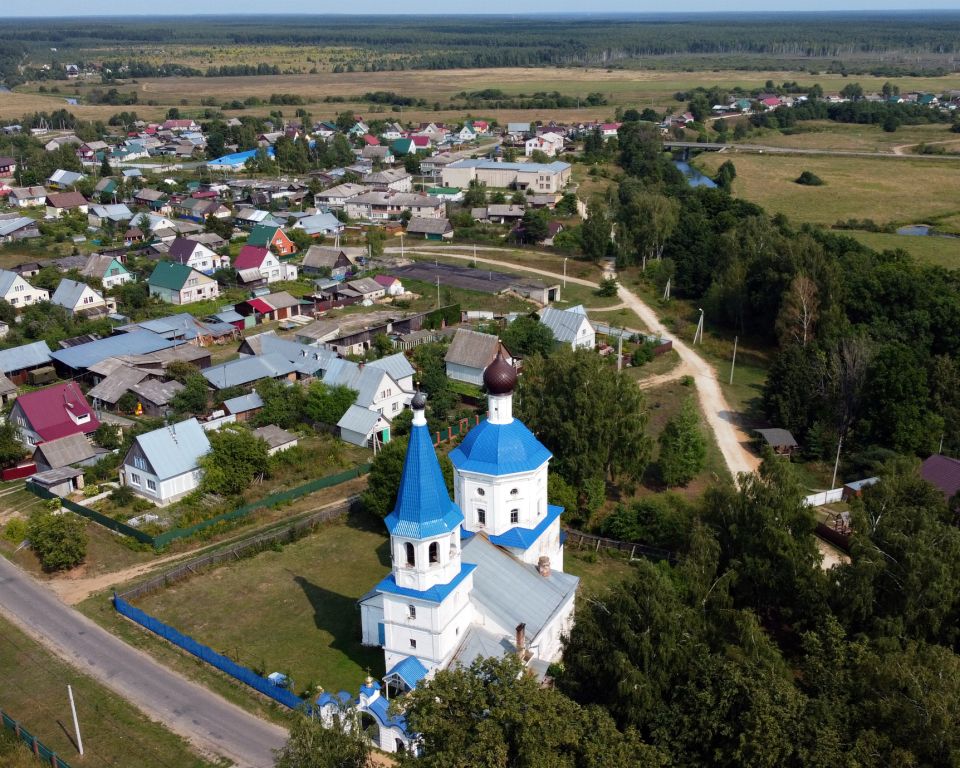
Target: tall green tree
column 235, row 460
column 59, row 540
column 683, row 447
column 591, row 416
column 596, row 230
column 494, row 714
column 314, row 744
column 527, row 336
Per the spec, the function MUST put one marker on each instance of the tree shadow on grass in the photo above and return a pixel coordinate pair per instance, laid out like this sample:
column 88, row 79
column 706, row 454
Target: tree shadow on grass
column 364, row 521
column 339, row 616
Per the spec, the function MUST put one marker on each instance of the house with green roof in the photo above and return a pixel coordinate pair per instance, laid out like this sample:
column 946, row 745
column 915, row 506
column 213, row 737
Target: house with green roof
column 180, row 284
column 403, row 147
column 272, row 237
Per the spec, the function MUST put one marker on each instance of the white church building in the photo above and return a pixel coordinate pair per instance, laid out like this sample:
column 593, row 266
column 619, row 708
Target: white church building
column 474, row 576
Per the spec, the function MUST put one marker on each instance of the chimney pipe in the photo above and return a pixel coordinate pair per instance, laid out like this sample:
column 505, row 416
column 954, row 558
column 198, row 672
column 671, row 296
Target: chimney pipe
column 543, row 566
column 521, row 639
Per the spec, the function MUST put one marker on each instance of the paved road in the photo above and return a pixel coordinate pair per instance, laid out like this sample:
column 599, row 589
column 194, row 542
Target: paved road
column 722, row 420
column 211, row 723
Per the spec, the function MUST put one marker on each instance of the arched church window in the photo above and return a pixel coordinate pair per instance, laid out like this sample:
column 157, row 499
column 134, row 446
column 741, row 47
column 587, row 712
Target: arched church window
column 514, row 515
column 482, row 516
column 434, row 552
column 411, row 554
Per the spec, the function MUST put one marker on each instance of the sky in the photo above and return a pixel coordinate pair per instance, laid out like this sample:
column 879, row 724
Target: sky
column 54, row 8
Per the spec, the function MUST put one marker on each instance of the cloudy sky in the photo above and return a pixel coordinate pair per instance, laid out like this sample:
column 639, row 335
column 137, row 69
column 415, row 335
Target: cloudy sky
column 14, row 8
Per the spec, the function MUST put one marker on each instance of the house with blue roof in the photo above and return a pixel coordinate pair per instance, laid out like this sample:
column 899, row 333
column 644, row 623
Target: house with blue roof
column 476, row 575
column 163, row 466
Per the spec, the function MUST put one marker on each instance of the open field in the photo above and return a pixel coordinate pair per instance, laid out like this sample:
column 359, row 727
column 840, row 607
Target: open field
column 34, row 691
column 625, row 87
column 825, row 134
column 886, row 190
column 942, row 251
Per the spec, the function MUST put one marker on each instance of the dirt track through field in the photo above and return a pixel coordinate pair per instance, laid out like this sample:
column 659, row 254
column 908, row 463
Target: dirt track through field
column 721, row 418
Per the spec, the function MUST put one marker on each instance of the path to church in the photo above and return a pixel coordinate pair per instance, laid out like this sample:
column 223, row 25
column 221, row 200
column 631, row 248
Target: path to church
column 731, row 439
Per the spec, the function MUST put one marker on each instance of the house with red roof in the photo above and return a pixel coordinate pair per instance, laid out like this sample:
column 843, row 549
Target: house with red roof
column 255, row 265
column 51, row 413
column 771, row 102
column 420, row 142
column 371, row 141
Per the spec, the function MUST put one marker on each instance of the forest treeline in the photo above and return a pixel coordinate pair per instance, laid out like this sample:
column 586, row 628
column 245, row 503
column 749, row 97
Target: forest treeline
column 454, row 42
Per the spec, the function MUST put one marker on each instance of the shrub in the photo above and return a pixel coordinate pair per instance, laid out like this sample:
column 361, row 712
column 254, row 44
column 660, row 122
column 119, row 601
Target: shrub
column 809, row 179
column 60, row 540
column 15, row 531
column 122, row 496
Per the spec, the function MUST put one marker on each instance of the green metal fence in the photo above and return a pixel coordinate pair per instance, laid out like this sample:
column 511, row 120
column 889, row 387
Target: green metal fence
column 40, row 751
column 179, row 533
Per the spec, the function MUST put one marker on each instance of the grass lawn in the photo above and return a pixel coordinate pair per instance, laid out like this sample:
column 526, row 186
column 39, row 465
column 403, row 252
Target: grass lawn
column 899, row 191
column 940, row 251
column 34, row 692
column 466, row 299
column 305, row 594
column 597, row 570
column 660, row 365
column 825, row 134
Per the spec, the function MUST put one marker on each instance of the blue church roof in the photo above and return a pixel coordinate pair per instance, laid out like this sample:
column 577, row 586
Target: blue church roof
column 499, row 449
column 410, row 670
column 436, row 594
column 424, row 507
column 524, row 538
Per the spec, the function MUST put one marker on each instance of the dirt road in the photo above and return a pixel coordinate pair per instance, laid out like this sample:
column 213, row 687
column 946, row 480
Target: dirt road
column 721, row 419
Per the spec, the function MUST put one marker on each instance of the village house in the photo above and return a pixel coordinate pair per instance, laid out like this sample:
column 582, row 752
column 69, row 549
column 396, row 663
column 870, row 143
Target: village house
column 180, row 284
column 18, row 292
column 66, row 202
column 200, row 209
column 156, row 201
column 154, row 397
column 391, row 285
column 430, row 229
column 255, row 264
column 51, row 413
column 14, row 227
column 8, row 167
column 396, row 180
column 107, row 269
column 551, row 144
column 16, row 363
column 70, row 451
column 272, row 237
column 381, row 206
column 27, row 197
column 469, row 354
column 327, row 260
column 320, row 224
column 570, row 327
column 336, row 197
column 277, row 439
column 196, row 256
column 81, row 299
column 91, row 152
column 64, row 180
column 247, row 371
column 163, row 466
column 111, row 214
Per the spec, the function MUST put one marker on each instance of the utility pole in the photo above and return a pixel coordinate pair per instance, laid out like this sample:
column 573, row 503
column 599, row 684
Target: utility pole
column 76, row 723
column 401, row 245
column 734, row 361
column 438, row 291
column 666, row 291
column 564, row 271
column 620, row 350
column 474, row 255
column 698, row 334
column 836, row 464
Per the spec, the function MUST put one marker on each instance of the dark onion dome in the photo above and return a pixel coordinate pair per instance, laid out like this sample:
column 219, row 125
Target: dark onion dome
column 500, row 377
column 419, row 401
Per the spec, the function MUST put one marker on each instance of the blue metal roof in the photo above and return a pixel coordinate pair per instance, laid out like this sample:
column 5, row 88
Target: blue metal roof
column 424, row 507
column 380, row 708
column 436, row 594
column 133, row 343
column 26, row 356
column 499, row 449
column 524, row 538
column 410, row 670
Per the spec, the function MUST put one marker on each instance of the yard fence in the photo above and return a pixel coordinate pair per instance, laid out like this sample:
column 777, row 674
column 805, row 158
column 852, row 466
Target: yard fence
column 165, row 538
column 41, row 752
column 208, row 655
column 824, row 497
column 596, row 543
column 461, row 428
column 244, row 548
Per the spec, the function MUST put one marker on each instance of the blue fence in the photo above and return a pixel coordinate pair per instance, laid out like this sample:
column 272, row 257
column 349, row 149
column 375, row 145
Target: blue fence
column 202, row 652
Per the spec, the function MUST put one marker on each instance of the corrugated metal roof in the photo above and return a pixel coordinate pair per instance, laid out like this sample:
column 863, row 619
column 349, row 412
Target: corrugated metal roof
column 563, row 323
column 524, row 538
column 397, row 366
column 513, row 592
column 243, row 403
column 274, row 436
column 48, row 411
column 360, row 420
column 247, row 370
column 68, row 293
column 175, row 449
column 424, row 507
column 26, row 356
column 499, row 449
column 133, row 343
column 410, row 670
column 65, row 451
